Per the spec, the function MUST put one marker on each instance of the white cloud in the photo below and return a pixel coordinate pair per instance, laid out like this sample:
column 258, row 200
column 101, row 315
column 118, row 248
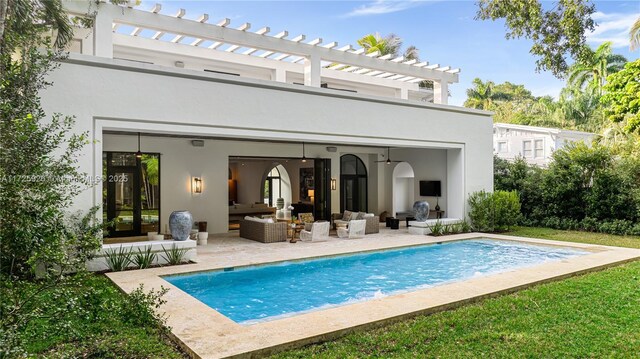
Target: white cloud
column 612, row 27
column 380, row 7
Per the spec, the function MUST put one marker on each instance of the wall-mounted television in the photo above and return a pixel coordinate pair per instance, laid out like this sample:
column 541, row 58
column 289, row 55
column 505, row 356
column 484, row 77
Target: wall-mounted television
column 430, row 188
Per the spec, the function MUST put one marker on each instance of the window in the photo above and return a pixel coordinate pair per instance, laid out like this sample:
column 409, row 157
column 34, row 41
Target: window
column 527, row 150
column 538, row 148
column 502, row 147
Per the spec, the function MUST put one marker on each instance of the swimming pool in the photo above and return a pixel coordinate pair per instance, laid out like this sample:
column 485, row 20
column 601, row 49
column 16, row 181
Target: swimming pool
column 261, row 293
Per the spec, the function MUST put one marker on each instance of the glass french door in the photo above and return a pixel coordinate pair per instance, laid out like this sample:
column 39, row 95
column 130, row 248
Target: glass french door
column 353, row 184
column 131, row 193
column 322, row 190
column 354, row 193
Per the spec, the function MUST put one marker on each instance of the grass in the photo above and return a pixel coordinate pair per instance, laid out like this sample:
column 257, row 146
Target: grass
column 110, row 325
column 577, row 236
column 590, row 316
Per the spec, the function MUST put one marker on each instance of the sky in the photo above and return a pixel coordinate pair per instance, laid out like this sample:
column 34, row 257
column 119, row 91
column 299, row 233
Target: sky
column 445, row 32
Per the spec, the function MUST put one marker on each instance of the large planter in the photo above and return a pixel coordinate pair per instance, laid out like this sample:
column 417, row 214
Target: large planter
column 421, row 208
column 180, row 223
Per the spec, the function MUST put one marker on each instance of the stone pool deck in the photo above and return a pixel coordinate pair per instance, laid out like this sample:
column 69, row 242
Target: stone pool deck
column 205, row 333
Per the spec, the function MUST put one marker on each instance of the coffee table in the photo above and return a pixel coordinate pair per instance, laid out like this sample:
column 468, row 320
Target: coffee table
column 295, row 229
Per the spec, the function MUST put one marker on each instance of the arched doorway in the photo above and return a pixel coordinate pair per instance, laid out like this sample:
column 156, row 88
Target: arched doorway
column 276, row 184
column 403, row 190
column 353, row 184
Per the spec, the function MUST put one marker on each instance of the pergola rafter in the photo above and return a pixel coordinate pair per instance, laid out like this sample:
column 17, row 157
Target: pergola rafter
column 260, row 44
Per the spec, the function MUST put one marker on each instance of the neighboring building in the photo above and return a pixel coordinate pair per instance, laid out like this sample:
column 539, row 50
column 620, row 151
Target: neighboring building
column 534, row 144
column 230, row 116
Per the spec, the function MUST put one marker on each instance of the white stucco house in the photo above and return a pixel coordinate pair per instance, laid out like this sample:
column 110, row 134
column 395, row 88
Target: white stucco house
column 228, row 118
column 534, row 144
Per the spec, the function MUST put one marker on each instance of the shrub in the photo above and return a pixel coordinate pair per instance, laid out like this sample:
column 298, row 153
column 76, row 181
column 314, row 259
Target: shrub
column 506, row 210
column 174, row 255
column 497, row 211
column 144, row 259
column 585, row 187
column 465, row 227
column 141, row 308
column 481, row 211
column 437, row 229
column 617, row 226
column 118, row 260
column 589, row 224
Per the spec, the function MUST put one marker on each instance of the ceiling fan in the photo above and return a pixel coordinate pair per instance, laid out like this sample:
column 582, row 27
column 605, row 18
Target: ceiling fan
column 389, row 161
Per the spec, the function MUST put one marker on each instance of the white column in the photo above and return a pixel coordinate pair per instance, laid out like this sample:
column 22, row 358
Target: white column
column 102, row 33
column 279, row 75
column 440, row 92
column 312, row 71
column 402, row 93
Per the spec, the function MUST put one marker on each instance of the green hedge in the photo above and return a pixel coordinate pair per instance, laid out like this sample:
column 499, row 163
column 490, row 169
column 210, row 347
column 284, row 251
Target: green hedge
column 494, row 212
column 584, row 188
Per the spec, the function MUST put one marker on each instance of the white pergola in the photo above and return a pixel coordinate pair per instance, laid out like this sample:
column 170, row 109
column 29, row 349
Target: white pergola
column 174, row 34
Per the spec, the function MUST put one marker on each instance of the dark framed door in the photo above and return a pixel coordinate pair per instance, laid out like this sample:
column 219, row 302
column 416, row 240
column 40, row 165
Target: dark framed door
column 353, row 184
column 322, row 190
column 131, row 197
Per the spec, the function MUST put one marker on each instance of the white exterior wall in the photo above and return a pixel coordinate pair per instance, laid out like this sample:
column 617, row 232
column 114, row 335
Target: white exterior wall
column 508, row 141
column 113, row 95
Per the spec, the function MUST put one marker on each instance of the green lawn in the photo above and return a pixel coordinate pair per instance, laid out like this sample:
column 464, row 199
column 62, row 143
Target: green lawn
column 591, row 316
column 577, row 236
column 110, row 325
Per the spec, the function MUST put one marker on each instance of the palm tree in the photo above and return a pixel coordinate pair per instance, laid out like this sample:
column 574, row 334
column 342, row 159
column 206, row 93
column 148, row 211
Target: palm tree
column 20, row 16
column 483, row 95
column 412, row 53
column 581, row 109
column 634, row 35
column 592, row 71
column 388, row 45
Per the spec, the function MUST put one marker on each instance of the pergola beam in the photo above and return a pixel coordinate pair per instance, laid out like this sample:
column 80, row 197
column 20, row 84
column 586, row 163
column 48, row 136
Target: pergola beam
column 221, row 34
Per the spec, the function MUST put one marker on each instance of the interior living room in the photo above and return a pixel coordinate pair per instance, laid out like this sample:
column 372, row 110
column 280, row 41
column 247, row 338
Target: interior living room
column 261, row 186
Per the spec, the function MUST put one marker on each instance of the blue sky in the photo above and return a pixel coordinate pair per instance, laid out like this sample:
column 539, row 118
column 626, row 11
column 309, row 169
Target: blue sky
column 445, row 32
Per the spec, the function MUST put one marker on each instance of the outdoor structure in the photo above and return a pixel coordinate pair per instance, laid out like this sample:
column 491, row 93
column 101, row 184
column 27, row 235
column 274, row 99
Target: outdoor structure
column 534, row 144
column 190, row 115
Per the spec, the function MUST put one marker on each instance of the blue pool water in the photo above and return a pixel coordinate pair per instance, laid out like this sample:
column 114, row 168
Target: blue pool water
column 254, row 294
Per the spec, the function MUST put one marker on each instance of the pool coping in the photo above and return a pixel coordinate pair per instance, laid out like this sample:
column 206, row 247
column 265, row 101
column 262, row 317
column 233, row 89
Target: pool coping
column 205, row 333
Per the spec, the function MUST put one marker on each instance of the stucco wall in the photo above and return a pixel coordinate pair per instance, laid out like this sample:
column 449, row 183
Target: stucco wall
column 107, row 95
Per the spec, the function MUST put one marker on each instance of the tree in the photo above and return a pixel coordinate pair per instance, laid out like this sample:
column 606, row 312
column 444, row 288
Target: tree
column 388, row 45
column 412, row 53
column 41, row 242
column 591, row 72
column 622, row 97
column 556, row 33
column 634, row 35
column 25, row 16
column 581, row 109
column 483, row 95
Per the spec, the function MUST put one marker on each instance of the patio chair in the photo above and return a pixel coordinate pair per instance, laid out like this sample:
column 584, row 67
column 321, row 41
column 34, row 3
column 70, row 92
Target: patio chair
column 319, row 231
column 356, row 229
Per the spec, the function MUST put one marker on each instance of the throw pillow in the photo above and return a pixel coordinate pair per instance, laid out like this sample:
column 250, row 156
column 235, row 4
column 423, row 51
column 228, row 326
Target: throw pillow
column 360, row 215
column 346, row 216
column 354, row 216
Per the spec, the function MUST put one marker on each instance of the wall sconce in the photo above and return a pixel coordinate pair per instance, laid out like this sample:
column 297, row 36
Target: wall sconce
column 196, row 185
column 334, row 184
